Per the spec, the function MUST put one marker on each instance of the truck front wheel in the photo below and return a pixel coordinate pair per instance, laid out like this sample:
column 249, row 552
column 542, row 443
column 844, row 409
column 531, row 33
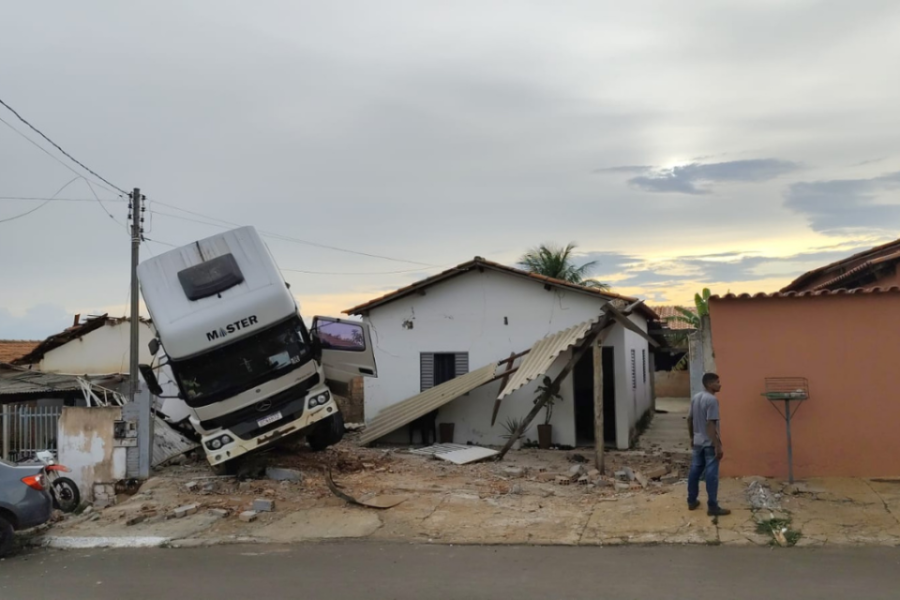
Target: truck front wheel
column 326, row 432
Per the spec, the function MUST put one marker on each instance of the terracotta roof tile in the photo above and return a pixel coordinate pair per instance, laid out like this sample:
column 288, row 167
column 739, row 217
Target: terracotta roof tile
column 481, row 263
column 11, row 350
column 872, row 254
column 809, row 294
column 667, row 312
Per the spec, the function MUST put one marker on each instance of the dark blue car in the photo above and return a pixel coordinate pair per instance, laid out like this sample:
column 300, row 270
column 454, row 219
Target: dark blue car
column 24, row 500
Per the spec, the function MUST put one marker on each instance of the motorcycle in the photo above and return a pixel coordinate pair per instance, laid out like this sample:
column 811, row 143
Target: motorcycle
column 65, row 492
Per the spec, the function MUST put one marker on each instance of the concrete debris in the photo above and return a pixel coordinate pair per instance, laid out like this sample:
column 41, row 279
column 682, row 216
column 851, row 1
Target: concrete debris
column 87, row 510
column 248, row 516
column 761, row 497
column 516, row 489
column 577, row 471
column 577, row 458
column 584, row 480
column 671, row 478
column 280, row 474
column 641, row 479
column 515, row 472
column 210, row 487
column 593, row 473
column 263, row 505
column 656, row 473
column 187, row 509
column 563, row 480
column 545, row 477
column 218, row 512
column 135, row 520
column 625, row 474
column 622, row 486
column 191, row 486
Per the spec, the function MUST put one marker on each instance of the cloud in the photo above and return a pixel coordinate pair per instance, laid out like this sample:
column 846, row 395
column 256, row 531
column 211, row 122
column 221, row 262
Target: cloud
column 684, row 179
column 839, row 205
column 38, row 322
column 625, row 169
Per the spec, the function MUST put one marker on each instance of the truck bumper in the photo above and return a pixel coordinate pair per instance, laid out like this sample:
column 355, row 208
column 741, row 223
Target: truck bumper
column 236, row 445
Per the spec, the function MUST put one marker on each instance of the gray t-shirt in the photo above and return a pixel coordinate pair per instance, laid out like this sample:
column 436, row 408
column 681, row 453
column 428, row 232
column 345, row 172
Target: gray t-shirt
column 704, row 407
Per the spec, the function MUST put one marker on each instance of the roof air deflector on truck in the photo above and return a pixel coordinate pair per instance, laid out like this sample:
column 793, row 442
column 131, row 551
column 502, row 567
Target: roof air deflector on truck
column 211, row 277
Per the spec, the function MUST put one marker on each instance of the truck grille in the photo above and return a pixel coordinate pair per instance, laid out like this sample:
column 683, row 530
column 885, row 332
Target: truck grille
column 252, row 415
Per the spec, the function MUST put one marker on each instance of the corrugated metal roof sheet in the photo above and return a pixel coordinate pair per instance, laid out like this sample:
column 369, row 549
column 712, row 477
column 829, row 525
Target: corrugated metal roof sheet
column 407, row 411
column 18, row 384
column 543, row 353
column 167, row 442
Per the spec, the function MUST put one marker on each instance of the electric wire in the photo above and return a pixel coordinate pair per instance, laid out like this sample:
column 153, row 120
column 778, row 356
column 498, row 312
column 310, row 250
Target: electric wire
column 58, row 147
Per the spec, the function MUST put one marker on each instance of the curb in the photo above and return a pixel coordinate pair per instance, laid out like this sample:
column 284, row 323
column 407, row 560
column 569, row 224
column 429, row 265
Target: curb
column 73, row 543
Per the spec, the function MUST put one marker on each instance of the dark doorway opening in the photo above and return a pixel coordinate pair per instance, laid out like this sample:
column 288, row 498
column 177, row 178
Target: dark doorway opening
column 583, row 383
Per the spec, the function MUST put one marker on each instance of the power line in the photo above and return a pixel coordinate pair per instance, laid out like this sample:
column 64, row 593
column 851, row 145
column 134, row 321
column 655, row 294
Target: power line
column 109, row 214
column 278, row 236
column 58, row 147
column 43, row 204
column 37, row 198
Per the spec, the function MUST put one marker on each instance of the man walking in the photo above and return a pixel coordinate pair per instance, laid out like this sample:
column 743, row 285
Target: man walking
column 703, row 426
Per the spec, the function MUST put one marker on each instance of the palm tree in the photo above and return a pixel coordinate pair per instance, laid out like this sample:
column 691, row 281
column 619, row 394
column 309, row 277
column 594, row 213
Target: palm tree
column 555, row 261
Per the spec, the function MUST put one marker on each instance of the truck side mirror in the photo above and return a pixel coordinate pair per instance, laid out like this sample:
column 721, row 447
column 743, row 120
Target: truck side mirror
column 150, row 380
column 153, row 346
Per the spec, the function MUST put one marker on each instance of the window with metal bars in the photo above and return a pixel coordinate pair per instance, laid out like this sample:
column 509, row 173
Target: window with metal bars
column 436, row 368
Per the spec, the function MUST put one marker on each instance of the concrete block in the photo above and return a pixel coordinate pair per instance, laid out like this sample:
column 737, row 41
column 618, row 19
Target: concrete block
column 563, row 480
column 191, row 486
column 218, row 512
column 248, row 516
column 263, row 505
column 187, row 509
column 625, row 474
column 279, row 474
column 656, row 473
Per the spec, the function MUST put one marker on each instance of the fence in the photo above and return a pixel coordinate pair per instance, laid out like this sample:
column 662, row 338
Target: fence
column 28, row 429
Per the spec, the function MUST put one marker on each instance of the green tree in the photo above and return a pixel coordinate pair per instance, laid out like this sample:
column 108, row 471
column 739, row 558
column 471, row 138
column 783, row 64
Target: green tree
column 692, row 318
column 557, row 262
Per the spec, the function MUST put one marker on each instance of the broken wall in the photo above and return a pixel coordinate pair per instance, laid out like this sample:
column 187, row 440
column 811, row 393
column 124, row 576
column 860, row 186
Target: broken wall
column 88, row 447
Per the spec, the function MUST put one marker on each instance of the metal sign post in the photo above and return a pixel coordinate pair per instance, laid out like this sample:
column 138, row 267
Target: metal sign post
column 787, row 390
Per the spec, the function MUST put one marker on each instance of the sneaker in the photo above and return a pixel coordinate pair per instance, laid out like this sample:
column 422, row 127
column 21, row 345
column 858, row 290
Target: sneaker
column 718, row 512
column 694, row 505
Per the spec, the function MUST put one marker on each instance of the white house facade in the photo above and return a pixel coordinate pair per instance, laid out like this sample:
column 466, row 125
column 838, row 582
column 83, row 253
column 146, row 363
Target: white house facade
column 481, row 312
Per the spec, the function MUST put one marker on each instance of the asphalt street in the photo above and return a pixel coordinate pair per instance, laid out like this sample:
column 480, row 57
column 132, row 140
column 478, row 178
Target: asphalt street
column 414, row 572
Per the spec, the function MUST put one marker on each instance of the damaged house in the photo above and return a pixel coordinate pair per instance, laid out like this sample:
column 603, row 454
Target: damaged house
column 479, row 313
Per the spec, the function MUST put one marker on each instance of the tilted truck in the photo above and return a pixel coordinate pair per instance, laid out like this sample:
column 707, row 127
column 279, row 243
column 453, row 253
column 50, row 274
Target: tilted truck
column 241, row 356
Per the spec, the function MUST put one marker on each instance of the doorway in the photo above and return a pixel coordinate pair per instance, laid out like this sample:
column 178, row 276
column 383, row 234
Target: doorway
column 583, row 384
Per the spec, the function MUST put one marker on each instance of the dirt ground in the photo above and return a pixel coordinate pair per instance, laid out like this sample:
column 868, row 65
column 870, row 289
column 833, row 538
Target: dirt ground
column 531, row 497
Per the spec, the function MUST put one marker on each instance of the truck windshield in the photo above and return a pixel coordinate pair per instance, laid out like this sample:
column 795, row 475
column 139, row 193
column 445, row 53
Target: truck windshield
column 237, row 367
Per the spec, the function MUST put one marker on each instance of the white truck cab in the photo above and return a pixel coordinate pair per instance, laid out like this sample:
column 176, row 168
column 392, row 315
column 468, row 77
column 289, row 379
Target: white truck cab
column 245, row 364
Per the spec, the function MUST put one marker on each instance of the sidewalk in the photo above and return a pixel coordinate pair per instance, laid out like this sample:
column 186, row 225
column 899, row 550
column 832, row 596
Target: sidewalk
column 519, row 501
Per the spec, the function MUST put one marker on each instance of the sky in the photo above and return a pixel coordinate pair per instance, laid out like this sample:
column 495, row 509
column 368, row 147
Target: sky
column 724, row 144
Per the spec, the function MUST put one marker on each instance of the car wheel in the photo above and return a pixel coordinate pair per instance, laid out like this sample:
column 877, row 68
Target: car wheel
column 6, row 536
column 327, row 432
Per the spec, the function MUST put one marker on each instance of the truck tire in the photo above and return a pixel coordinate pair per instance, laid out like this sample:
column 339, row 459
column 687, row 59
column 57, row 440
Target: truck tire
column 6, row 536
column 327, row 432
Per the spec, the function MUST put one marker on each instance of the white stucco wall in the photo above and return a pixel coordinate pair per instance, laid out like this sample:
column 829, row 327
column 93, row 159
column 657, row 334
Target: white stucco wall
column 466, row 314
column 102, row 351
column 88, row 448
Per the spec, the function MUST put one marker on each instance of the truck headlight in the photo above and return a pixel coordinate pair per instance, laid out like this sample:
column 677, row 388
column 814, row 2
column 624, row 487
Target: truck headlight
column 218, row 442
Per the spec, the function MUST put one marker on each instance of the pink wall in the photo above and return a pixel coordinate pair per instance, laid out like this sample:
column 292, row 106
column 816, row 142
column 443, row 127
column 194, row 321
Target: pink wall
column 848, row 346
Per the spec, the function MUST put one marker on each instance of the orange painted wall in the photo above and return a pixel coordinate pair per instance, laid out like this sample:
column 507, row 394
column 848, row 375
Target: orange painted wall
column 849, row 349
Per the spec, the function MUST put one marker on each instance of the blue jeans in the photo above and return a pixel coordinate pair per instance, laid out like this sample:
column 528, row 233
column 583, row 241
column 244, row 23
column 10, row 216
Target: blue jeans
column 704, row 461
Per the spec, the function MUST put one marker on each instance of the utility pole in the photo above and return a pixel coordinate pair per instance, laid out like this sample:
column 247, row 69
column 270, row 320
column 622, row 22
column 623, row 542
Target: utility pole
column 145, row 425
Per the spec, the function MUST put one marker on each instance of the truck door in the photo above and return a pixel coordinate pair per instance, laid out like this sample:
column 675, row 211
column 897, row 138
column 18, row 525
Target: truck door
column 347, row 350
